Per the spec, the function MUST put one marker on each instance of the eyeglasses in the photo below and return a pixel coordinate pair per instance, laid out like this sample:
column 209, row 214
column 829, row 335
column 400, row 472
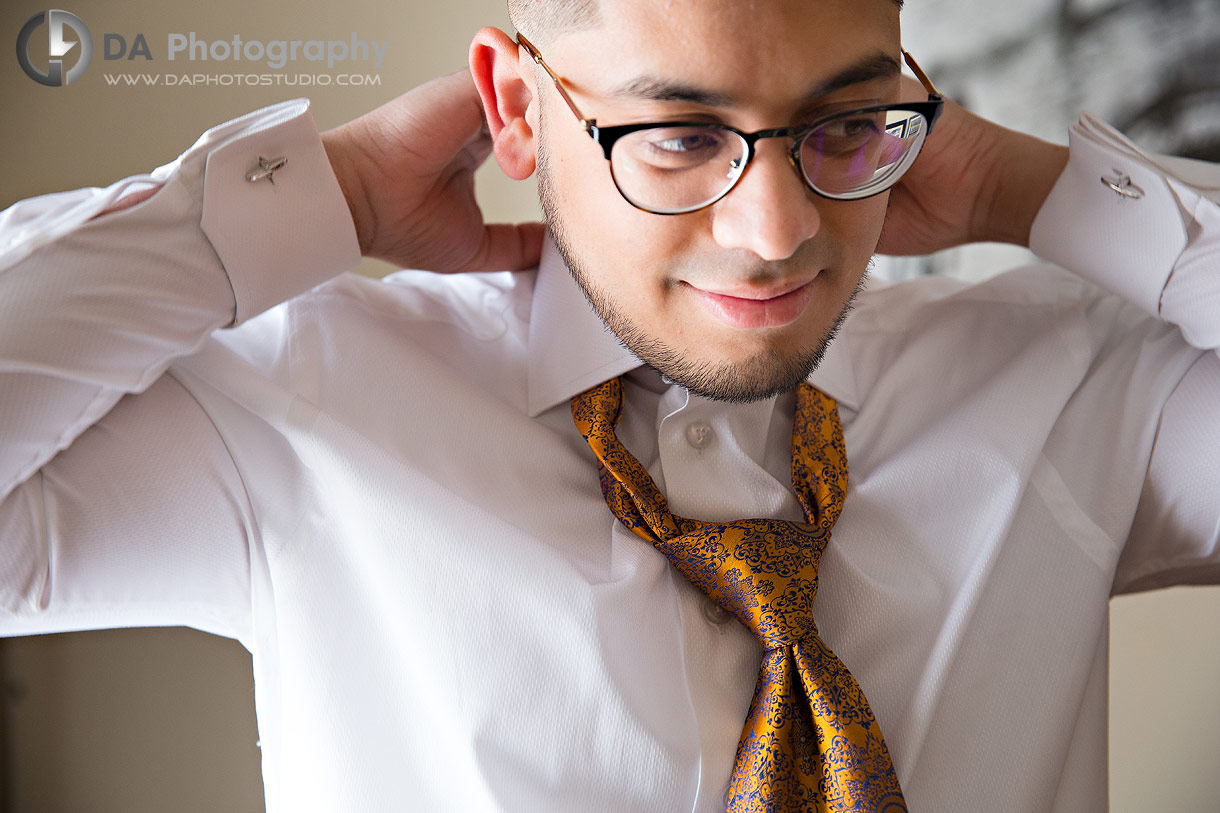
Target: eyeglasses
column 671, row 168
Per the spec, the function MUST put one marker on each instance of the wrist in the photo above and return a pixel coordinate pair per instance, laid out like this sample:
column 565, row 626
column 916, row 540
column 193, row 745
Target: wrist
column 1023, row 172
column 343, row 163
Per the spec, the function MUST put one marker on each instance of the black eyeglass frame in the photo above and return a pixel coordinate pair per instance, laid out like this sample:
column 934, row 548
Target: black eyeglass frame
column 607, row 136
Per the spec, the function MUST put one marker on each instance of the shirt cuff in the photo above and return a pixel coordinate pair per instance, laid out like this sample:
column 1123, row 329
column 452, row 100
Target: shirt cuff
column 1148, row 245
column 279, row 236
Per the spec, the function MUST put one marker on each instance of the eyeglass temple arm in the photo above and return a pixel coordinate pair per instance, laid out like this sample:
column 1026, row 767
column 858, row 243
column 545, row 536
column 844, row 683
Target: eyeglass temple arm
column 590, row 123
column 933, row 94
column 537, row 57
column 919, row 74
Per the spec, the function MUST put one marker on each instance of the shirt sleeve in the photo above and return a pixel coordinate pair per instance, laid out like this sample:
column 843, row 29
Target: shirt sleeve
column 93, row 310
column 1156, row 243
column 1147, row 228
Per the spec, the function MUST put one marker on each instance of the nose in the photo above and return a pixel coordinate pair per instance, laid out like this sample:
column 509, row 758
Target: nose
column 770, row 211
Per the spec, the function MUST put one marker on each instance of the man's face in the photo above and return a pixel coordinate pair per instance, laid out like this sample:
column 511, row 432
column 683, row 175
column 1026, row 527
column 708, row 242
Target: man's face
column 738, row 300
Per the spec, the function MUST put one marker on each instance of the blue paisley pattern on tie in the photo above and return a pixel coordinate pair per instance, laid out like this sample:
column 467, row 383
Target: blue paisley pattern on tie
column 810, row 741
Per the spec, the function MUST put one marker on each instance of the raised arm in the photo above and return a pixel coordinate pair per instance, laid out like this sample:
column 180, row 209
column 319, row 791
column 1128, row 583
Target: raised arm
column 119, row 501
column 92, row 308
column 1155, row 241
column 118, row 516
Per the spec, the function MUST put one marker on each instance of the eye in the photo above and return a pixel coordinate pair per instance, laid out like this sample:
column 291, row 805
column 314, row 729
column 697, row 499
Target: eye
column 686, row 143
column 684, row 140
column 669, row 148
column 845, row 135
column 852, row 127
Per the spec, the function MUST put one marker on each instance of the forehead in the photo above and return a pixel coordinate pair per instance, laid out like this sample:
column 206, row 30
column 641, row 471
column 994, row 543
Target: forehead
column 763, row 50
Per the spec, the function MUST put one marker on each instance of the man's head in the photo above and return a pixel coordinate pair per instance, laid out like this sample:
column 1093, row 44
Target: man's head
column 736, row 300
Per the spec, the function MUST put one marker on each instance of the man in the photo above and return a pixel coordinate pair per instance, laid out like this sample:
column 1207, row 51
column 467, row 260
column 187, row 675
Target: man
column 380, row 488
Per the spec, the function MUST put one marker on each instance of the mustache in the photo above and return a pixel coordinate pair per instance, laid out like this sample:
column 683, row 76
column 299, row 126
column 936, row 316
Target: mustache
column 741, row 266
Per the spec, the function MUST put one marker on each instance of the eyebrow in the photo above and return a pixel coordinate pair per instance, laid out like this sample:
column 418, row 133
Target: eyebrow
column 656, row 89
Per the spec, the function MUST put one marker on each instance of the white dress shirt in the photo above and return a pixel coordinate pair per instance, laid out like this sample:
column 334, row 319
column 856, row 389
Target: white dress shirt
column 378, row 489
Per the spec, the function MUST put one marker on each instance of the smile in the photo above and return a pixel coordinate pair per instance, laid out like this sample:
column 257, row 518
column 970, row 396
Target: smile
column 749, row 308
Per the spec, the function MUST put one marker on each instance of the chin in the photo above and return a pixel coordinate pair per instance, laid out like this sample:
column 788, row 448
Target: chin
column 759, row 376
column 762, row 374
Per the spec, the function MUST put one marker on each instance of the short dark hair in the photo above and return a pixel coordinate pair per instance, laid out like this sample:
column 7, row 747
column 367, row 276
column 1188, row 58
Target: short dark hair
column 543, row 20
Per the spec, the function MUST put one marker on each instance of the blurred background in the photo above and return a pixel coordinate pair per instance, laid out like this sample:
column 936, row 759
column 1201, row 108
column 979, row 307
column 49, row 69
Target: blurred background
column 156, row 720
column 1151, row 68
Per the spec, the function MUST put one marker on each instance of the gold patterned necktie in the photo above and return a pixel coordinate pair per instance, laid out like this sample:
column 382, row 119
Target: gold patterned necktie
column 810, row 741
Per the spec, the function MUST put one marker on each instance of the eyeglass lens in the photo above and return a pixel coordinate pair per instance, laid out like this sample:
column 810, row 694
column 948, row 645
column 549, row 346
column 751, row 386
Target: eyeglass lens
column 677, row 169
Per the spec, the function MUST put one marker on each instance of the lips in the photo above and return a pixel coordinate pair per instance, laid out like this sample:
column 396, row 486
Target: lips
column 753, row 307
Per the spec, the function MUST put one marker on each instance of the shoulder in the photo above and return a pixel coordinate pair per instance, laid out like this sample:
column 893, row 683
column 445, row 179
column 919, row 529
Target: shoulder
column 354, row 324
column 475, row 302
column 962, row 335
column 1009, row 305
column 909, row 305
column 476, row 307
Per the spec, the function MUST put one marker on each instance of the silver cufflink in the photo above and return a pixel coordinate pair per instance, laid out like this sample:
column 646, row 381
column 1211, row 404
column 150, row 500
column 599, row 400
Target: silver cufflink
column 1122, row 185
column 266, row 169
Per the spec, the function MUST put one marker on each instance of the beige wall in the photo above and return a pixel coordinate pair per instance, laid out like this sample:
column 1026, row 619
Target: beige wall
column 90, row 133
column 152, row 720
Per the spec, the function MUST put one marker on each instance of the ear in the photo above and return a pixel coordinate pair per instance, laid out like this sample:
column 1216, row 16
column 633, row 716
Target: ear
column 506, row 86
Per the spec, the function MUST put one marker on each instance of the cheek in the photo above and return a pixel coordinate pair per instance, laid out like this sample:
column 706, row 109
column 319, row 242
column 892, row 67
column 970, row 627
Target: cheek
column 624, row 251
column 856, row 227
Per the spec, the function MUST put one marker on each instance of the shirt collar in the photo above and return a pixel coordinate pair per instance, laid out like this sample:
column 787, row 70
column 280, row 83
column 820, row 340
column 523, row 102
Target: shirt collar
column 571, row 349
column 835, row 375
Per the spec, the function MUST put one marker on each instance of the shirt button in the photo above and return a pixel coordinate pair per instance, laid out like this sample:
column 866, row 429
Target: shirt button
column 699, row 435
column 716, row 614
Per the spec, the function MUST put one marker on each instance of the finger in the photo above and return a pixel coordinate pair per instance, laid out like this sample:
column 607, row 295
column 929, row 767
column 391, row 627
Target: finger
column 508, row 247
column 460, row 99
column 439, row 117
column 476, row 152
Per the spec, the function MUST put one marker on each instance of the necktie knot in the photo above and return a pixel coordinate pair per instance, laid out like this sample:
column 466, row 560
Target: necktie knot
column 763, row 571
column 810, row 741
